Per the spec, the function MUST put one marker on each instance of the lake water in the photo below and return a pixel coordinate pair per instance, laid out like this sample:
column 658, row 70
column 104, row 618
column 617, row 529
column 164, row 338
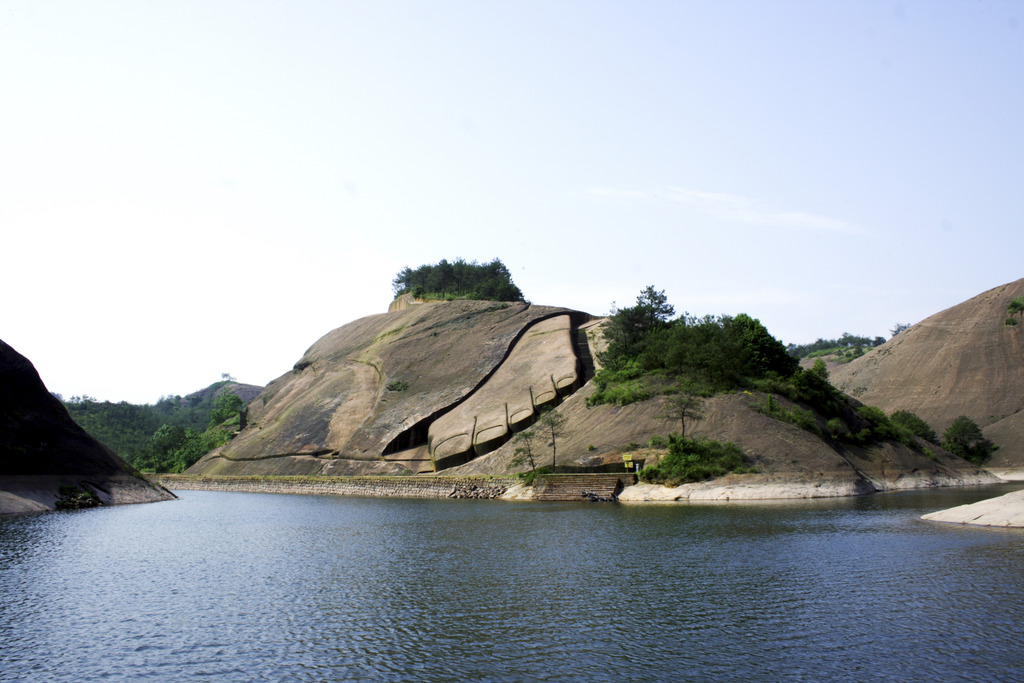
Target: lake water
column 249, row 587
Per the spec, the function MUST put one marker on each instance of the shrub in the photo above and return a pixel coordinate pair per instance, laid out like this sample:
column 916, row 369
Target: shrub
column 529, row 477
column 620, row 384
column 837, row 428
column 883, row 428
column 916, row 425
column 695, row 460
column 1011, row 322
column 801, row 417
column 658, row 442
column 964, row 438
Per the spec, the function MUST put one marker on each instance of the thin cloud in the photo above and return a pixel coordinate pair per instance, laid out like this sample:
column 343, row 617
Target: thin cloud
column 734, row 208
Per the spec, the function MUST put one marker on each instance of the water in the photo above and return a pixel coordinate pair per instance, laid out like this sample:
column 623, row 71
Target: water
column 248, row 587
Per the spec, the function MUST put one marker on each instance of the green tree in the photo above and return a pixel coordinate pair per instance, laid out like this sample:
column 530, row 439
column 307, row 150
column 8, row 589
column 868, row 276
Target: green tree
column 225, row 406
column 898, row 328
column 554, row 425
column 524, row 450
column 916, row 425
column 764, row 353
column 964, row 438
column 683, row 405
column 630, row 327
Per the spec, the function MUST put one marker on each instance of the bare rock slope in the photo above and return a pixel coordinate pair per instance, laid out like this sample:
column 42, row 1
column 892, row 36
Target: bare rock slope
column 413, row 390
column 442, row 387
column 42, row 449
column 962, row 361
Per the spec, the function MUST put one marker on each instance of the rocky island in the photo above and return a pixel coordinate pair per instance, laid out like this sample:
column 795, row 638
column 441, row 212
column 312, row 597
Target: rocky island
column 437, row 391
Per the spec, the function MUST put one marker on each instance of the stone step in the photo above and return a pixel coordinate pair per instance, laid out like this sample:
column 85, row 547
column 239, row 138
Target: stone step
column 577, row 487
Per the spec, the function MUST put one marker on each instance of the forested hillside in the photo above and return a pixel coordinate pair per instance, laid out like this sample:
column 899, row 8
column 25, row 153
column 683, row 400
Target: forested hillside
column 169, row 435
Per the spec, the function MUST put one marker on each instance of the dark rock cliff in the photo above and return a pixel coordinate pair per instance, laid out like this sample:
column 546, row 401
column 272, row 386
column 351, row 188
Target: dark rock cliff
column 42, row 449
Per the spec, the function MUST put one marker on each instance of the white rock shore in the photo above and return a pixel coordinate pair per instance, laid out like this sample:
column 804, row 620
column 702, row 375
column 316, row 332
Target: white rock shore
column 1004, row 511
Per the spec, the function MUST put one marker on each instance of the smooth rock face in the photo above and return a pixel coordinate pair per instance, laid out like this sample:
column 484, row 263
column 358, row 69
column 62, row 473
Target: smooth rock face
column 962, row 361
column 540, row 368
column 42, row 449
column 384, row 394
column 1005, row 511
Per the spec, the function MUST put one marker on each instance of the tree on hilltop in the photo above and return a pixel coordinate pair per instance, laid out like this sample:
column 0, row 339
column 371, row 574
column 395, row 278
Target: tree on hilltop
column 459, row 279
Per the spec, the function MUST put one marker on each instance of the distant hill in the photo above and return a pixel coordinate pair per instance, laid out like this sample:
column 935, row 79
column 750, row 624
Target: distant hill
column 246, row 392
column 43, row 450
column 129, row 429
column 964, row 360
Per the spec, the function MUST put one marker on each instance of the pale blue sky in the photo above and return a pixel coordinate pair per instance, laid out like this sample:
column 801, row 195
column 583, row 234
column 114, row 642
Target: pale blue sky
column 191, row 188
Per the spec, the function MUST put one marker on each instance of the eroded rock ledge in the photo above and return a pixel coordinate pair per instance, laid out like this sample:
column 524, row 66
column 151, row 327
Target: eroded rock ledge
column 1003, row 511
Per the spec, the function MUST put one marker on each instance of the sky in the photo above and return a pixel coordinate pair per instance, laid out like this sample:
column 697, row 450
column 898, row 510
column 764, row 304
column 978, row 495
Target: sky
column 189, row 189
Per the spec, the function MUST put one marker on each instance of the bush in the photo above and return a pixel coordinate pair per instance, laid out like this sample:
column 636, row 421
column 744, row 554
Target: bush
column 529, row 477
column 882, row 428
column 658, row 442
column 837, row 428
column 695, row 460
column 965, row 439
column 916, row 425
column 620, row 384
column 801, row 417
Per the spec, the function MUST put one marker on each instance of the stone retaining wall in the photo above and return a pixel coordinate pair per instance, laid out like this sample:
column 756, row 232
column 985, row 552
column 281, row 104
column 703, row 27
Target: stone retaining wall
column 381, row 487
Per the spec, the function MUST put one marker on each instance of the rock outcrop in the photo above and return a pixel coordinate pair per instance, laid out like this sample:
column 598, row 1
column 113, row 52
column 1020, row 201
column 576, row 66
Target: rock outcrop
column 419, row 389
column 1005, row 511
column 962, row 361
column 42, row 450
column 442, row 388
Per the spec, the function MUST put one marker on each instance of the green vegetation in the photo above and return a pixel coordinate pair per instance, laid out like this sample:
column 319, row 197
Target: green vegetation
column 1015, row 308
column 458, row 280
column 898, row 328
column 689, row 359
column 166, row 437
column 526, row 443
column 801, row 417
column 684, row 403
column 529, row 477
column 964, row 438
column 845, row 349
column 553, row 425
column 695, row 460
column 649, row 354
column 915, row 424
column 74, row 498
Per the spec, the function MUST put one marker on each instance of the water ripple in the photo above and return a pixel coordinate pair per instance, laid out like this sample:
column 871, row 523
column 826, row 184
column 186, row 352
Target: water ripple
column 236, row 587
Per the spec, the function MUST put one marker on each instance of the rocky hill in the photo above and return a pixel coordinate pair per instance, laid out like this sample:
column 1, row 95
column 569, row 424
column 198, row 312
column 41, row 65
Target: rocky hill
column 420, row 389
column 442, row 387
column 962, row 361
column 246, row 392
column 43, row 450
